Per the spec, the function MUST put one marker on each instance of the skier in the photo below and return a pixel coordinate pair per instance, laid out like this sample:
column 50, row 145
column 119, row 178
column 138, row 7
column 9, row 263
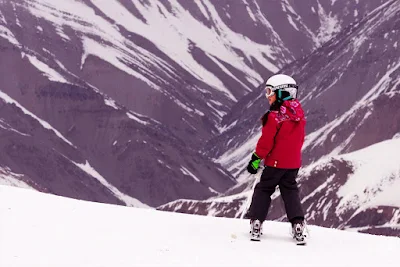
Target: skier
column 279, row 146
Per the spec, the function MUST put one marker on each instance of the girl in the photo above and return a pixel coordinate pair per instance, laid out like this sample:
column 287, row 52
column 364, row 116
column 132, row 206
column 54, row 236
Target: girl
column 279, row 146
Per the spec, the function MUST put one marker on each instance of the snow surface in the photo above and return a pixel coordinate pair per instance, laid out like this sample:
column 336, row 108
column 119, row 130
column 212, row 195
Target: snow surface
column 43, row 230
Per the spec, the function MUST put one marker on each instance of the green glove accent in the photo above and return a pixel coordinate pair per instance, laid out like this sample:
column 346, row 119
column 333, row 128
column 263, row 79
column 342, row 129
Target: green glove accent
column 256, row 164
column 255, row 161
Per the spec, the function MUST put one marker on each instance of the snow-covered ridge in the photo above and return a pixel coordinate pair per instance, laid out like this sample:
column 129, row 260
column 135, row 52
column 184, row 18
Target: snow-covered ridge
column 116, row 236
column 376, row 178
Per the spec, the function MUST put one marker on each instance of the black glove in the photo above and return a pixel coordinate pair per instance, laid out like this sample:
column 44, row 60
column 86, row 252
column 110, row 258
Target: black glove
column 253, row 164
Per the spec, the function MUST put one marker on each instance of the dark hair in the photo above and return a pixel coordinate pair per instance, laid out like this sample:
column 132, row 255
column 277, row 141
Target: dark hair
column 274, row 106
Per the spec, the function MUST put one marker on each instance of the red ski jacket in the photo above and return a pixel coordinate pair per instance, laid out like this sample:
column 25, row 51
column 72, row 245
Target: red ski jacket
column 283, row 136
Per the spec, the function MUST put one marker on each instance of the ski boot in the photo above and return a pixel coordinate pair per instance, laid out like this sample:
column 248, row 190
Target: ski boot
column 299, row 233
column 255, row 230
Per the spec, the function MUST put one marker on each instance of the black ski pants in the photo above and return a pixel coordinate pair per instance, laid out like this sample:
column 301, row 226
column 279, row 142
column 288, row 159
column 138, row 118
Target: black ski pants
column 261, row 200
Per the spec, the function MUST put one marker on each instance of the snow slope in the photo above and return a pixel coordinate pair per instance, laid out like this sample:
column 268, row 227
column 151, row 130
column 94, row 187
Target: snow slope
column 38, row 229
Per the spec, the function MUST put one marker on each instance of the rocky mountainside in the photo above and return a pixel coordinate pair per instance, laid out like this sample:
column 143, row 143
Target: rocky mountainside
column 109, row 100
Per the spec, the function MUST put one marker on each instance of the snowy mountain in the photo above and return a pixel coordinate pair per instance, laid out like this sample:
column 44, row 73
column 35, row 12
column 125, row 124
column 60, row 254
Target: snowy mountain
column 39, row 229
column 351, row 191
column 350, row 90
column 105, row 100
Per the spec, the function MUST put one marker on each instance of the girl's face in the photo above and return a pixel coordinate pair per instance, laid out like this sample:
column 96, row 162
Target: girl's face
column 271, row 99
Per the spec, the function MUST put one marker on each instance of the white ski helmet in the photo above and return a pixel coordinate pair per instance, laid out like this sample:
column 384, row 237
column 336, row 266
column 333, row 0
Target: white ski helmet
column 281, row 82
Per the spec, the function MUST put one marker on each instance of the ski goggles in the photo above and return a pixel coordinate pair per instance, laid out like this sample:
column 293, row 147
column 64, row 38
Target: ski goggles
column 270, row 90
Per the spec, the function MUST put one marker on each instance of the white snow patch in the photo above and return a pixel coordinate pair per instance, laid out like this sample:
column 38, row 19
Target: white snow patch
column 376, row 179
column 292, row 22
column 39, row 28
column 355, row 13
column 216, row 102
column 212, row 190
column 227, row 127
column 187, row 172
column 185, row 107
column 2, row 18
column 251, row 14
column 8, row 35
column 115, row 142
column 4, row 125
column 219, row 113
column 330, row 26
column 9, row 178
column 326, row 209
column 395, row 45
column 288, row 9
column 61, row 33
column 134, row 117
column 128, row 200
column 45, row 124
column 111, row 103
column 46, row 70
